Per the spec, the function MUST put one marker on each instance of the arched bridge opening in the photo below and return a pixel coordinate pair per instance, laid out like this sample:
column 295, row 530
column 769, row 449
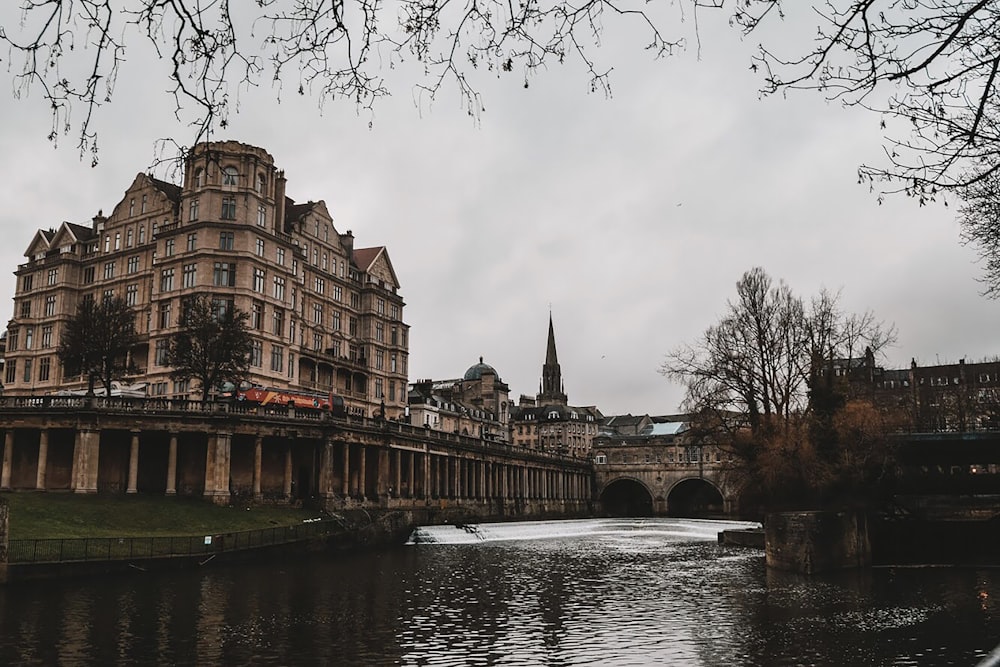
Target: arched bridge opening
column 695, row 498
column 627, row 497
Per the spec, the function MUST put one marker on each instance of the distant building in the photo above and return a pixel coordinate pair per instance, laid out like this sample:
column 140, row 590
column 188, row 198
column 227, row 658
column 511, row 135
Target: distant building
column 326, row 316
column 547, row 422
column 477, row 404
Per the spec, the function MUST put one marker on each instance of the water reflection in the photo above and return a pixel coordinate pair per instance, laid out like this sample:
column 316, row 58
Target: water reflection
column 608, row 593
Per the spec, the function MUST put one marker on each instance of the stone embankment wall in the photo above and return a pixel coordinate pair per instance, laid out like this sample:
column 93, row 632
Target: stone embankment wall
column 813, row 542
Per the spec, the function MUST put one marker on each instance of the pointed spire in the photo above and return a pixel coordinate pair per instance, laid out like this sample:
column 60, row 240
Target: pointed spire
column 552, row 392
column 550, row 350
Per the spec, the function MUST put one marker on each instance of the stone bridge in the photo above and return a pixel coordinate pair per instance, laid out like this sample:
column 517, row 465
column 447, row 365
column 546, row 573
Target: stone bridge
column 228, row 452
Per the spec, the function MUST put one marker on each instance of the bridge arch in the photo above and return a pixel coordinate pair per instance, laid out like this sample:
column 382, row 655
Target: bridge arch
column 627, row 496
column 695, row 497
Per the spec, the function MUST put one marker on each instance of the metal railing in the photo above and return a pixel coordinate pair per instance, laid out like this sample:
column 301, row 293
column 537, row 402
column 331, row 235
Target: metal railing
column 129, row 548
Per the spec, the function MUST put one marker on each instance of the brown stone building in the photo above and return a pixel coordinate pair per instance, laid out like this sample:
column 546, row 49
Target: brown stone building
column 476, row 404
column 547, row 422
column 325, row 315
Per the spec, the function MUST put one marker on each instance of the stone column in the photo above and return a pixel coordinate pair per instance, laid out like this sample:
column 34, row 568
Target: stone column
column 217, row 467
column 345, row 481
column 412, row 475
column 258, row 452
column 382, row 472
column 287, row 490
column 398, row 484
column 172, row 466
column 362, row 485
column 133, row 465
column 326, row 470
column 43, row 457
column 8, row 456
column 86, row 454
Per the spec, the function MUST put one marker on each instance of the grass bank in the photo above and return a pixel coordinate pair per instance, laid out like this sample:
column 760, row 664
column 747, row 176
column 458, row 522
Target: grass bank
column 67, row 515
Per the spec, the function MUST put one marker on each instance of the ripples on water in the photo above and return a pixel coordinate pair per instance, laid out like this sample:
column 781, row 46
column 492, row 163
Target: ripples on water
column 625, row 592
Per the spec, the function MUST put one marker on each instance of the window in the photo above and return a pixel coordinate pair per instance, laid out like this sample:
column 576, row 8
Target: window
column 12, row 337
column 277, row 358
column 338, row 293
column 142, row 207
column 256, row 354
column 601, row 459
column 259, row 276
column 318, row 313
column 352, row 326
column 44, row 365
column 131, row 294
column 107, row 243
column 336, row 348
column 199, row 178
column 315, row 256
column 142, row 234
column 392, row 362
column 158, row 389
column 108, row 294
column 27, row 370
column 11, row 376
column 224, row 274
column 129, row 237
column 26, row 308
column 393, row 336
column 278, row 322
column 378, row 388
column 394, row 311
column 317, row 341
column 131, row 207
column 380, row 306
column 229, row 175
column 180, row 386
column 193, row 210
column 279, row 256
column 222, row 307
column 257, row 315
column 261, row 216
column 392, row 390
column 379, row 360
column 355, row 300
column 132, row 266
column 379, row 332
column 259, row 186
column 26, row 283
column 166, row 280
column 192, row 241
column 47, row 336
column 165, row 315
column 160, row 357
column 225, row 240
column 52, row 277
column 279, row 288
column 190, row 276
column 228, row 208
column 109, row 270
column 320, row 286
column 325, row 263
column 291, row 364
column 260, row 247
column 335, row 320
column 168, row 248
column 50, row 306
column 118, row 240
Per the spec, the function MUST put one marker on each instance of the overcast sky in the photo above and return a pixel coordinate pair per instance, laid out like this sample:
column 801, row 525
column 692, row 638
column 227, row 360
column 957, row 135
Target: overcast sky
column 629, row 218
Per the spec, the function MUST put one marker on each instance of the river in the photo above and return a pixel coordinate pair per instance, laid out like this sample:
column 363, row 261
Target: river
column 593, row 592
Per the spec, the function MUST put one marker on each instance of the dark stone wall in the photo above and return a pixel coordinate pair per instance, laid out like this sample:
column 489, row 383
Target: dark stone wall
column 813, row 542
column 59, row 463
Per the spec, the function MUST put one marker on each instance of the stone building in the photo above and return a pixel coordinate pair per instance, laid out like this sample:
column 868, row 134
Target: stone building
column 547, row 422
column 476, row 404
column 324, row 314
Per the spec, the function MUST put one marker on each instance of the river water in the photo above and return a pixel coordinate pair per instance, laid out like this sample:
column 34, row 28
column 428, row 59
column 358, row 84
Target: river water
column 594, row 592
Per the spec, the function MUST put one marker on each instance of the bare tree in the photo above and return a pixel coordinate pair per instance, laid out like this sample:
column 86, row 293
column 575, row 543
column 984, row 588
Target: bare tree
column 97, row 340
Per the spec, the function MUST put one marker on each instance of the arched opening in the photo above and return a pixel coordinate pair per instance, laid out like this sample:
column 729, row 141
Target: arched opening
column 626, row 497
column 695, row 498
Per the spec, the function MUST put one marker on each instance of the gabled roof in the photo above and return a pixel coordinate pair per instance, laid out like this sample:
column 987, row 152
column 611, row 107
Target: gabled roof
column 366, row 258
column 70, row 234
column 173, row 192
column 40, row 242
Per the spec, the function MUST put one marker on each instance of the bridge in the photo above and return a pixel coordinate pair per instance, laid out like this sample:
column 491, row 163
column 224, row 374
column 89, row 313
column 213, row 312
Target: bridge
column 230, row 452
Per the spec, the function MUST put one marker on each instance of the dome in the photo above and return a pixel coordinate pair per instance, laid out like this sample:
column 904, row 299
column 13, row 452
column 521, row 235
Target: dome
column 476, row 372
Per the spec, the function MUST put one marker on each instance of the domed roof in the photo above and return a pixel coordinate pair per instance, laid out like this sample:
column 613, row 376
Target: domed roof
column 476, row 372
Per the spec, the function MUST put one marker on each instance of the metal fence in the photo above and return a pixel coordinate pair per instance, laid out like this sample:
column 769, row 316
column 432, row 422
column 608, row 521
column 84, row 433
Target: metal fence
column 128, row 548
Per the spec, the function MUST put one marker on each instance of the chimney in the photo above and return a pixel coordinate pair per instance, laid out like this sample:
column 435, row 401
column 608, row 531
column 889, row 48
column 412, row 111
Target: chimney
column 279, row 202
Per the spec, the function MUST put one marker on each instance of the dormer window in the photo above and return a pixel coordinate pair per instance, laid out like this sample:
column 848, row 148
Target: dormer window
column 229, row 175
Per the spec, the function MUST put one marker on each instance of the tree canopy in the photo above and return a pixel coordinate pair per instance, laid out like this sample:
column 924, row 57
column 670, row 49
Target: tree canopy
column 97, row 340
column 213, row 345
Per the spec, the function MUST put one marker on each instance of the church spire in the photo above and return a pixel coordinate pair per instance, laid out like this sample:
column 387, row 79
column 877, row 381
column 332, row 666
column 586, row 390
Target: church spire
column 552, row 389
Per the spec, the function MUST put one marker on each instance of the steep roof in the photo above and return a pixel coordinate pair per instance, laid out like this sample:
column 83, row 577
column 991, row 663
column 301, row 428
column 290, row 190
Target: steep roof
column 173, row 192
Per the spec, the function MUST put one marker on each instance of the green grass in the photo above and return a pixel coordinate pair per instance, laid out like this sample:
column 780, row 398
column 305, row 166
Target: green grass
column 64, row 515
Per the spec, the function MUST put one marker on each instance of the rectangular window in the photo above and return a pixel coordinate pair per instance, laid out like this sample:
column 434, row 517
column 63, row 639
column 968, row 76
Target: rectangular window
column 228, row 208
column 256, row 354
column 325, row 262
column 278, row 322
column 291, row 364
column 277, row 358
column 190, row 275
column 355, row 301
column 224, row 274
column 27, row 283
column 128, row 237
column 118, row 241
column 47, row 336
column 257, row 315
column 394, row 311
column 50, row 306
column 192, row 241
column 52, row 277
column 317, row 313
column 259, row 277
column 131, row 294
column 338, row 293
column 108, row 294
column 279, row 288
column 180, row 386
column 193, row 211
column 27, row 370
column 88, row 275
column 109, row 270
column 261, row 216
column 392, row 362
column 221, row 307
column 43, row 369
column 380, row 306
column 166, row 280
column 142, row 234
column 26, row 308
column 11, row 375
column 132, row 266
column 168, row 248
column 164, row 314
column 352, row 326
column 317, row 341
column 226, row 240
column 259, row 247
column 379, row 360
column 336, row 348
column 159, row 389
column 378, row 388
column 12, row 336
column 335, row 320
column 379, row 332
column 320, row 285
column 392, row 390
column 29, row 333
column 160, row 358
column 279, row 256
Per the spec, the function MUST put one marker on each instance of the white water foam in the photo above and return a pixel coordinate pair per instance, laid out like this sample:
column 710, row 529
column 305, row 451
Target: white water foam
column 689, row 530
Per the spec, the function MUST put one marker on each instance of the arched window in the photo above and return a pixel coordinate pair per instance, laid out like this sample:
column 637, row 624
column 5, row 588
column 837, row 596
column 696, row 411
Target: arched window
column 229, row 175
column 199, row 178
column 260, row 183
